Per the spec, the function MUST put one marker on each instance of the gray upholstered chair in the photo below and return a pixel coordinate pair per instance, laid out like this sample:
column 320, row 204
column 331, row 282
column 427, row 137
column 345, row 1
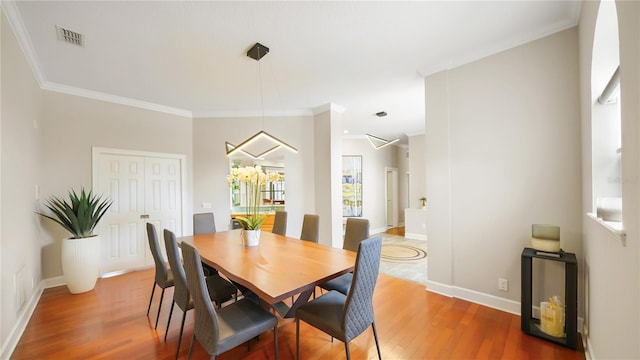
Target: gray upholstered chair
column 203, row 223
column 355, row 231
column 344, row 317
column 310, row 228
column 164, row 276
column 280, row 223
column 225, row 328
column 219, row 289
column 235, row 224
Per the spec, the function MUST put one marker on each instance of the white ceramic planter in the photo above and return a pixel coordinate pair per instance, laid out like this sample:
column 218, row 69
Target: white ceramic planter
column 81, row 263
column 251, row 237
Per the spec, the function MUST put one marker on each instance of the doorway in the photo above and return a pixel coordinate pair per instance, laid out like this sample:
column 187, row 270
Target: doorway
column 391, row 196
column 144, row 187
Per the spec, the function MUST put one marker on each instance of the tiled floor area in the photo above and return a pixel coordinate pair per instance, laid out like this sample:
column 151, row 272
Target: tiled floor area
column 414, row 270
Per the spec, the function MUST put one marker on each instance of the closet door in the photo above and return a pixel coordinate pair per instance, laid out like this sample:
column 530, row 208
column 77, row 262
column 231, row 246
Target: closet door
column 163, row 198
column 144, row 188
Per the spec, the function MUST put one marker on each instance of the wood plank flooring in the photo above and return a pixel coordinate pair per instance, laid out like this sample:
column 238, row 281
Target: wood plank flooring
column 110, row 323
column 396, row 231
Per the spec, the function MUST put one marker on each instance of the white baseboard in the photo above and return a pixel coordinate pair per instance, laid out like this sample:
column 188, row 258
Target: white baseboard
column 491, row 301
column 439, row 288
column 377, row 231
column 586, row 343
column 53, row 282
column 415, row 236
column 23, row 319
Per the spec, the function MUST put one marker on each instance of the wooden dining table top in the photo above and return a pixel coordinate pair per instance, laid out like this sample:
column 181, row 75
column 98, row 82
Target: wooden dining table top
column 278, row 268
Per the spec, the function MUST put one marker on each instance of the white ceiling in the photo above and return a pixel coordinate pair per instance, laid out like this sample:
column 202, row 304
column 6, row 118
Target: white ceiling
column 189, row 57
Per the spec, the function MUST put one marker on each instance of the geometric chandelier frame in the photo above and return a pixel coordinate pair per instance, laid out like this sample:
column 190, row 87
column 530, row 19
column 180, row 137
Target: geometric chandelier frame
column 378, row 142
column 256, row 52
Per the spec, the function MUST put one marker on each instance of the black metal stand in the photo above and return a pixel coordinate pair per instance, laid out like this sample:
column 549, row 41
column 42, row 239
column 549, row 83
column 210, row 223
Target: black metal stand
column 529, row 324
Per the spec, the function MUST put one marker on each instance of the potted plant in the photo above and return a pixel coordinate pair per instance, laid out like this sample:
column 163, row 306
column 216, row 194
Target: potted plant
column 423, row 202
column 81, row 252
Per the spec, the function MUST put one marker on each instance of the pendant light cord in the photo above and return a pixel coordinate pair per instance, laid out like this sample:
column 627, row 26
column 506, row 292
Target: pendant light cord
column 261, row 89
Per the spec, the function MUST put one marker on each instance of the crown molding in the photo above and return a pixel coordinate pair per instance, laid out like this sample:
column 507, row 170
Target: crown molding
column 415, row 134
column 96, row 95
column 453, row 63
column 252, row 113
column 10, row 9
column 328, row 107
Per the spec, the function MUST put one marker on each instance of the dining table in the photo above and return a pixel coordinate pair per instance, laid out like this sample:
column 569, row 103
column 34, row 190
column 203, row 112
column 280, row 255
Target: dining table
column 278, row 268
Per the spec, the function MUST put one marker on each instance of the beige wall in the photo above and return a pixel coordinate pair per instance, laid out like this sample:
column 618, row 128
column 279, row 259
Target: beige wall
column 612, row 270
column 20, row 137
column 402, row 162
column 418, row 183
column 503, row 152
column 211, row 164
column 72, row 125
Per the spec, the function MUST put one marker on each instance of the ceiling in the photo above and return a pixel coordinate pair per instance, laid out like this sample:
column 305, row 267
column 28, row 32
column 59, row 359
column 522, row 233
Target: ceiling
column 189, row 57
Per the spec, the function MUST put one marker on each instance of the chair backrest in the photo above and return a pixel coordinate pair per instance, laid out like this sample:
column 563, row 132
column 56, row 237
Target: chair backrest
column 206, row 321
column 203, row 223
column 162, row 272
column 310, row 228
column 355, row 231
column 181, row 291
column 357, row 314
column 235, row 224
column 280, row 223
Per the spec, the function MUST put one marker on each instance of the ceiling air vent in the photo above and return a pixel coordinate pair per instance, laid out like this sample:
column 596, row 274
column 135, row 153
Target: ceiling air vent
column 69, row 36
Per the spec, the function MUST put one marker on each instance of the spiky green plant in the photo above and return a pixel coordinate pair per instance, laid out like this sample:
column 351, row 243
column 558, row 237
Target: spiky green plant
column 80, row 215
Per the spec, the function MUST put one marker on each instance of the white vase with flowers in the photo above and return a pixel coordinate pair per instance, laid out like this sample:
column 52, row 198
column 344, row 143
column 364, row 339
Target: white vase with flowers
column 252, row 178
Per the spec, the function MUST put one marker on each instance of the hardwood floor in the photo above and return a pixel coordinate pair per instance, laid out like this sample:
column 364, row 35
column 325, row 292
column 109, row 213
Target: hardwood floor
column 396, row 231
column 110, row 323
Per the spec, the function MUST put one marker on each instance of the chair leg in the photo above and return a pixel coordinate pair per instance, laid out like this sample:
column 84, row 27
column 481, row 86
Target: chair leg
column 275, row 340
column 169, row 320
column 159, row 307
column 297, row 338
column 346, row 348
column 193, row 339
column 153, row 289
column 375, row 336
column 184, row 315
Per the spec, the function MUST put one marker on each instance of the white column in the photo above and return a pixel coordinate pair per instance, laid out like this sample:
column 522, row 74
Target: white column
column 327, row 122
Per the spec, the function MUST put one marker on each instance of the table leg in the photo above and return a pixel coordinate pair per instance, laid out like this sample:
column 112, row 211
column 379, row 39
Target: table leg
column 287, row 311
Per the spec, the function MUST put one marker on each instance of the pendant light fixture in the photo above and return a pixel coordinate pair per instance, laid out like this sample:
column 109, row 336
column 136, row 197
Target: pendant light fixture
column 378, row 142
column 257, row 52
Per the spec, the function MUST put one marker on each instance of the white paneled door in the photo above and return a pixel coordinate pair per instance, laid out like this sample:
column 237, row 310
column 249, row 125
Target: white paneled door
column 144, row 188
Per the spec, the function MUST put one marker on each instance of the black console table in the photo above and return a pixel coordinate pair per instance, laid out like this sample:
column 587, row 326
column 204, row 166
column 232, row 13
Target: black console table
column 529, row 324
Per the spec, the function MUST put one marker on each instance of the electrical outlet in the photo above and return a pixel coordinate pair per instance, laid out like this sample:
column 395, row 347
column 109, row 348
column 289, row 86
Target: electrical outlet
column 503, row 284
column 206, row 205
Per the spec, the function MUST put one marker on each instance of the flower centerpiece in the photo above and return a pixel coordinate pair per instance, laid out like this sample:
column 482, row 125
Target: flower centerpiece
column 252, row 178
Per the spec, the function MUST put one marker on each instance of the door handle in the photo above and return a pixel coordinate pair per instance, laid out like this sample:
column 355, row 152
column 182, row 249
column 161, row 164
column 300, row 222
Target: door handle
column 144, row 216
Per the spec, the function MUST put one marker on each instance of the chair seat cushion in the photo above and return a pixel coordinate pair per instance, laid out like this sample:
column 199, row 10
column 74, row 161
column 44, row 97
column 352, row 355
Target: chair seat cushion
column 341, row 283
column 241, row 321
column 324, row 313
